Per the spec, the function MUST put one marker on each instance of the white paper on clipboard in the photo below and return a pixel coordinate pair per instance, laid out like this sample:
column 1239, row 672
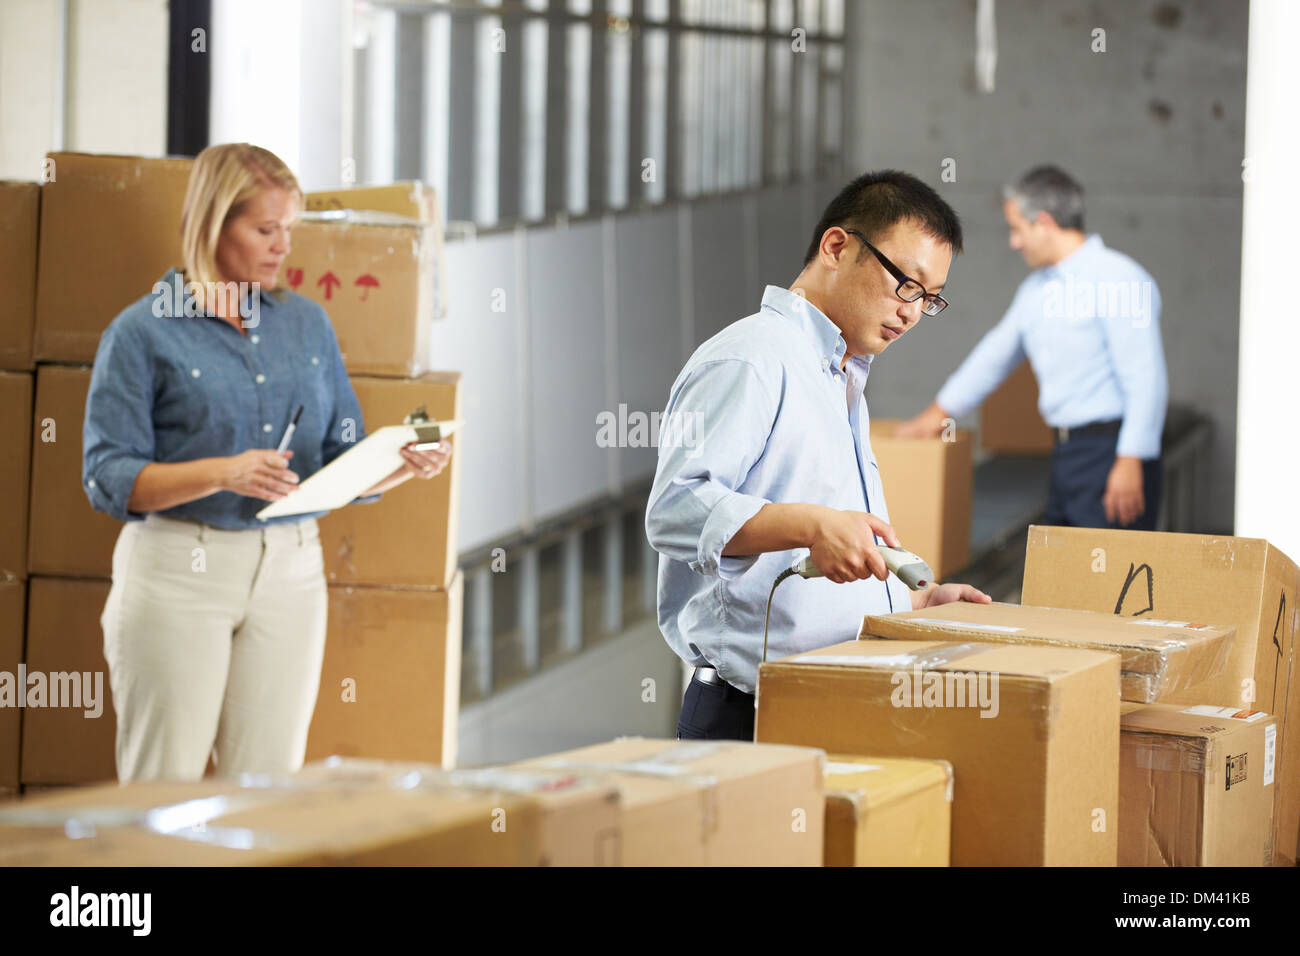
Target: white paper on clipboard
column 374, row 458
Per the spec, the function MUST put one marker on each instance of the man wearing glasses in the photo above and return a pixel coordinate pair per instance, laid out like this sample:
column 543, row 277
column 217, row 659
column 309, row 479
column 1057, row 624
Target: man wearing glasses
column 1088, row 319
column 780, row 466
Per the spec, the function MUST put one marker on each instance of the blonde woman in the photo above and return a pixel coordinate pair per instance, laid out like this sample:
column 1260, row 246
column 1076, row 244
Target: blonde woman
column 214, row 628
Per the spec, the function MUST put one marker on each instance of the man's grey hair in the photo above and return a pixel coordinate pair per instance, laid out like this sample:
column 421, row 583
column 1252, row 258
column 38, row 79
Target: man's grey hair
column 1048, row 189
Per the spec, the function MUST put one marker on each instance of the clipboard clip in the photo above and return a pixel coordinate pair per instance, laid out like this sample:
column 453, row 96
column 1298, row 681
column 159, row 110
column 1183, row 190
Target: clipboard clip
column 428, row 433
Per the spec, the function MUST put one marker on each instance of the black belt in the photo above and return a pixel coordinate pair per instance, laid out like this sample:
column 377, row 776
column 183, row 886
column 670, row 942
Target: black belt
column 1063, row 435
column 709, row 675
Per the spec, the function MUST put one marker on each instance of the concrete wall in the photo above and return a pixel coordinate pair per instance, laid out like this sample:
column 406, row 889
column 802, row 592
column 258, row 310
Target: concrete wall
column 1153, row 127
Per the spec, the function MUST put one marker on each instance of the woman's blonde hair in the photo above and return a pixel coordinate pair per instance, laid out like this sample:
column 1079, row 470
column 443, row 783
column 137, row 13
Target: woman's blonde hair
column 225, row 177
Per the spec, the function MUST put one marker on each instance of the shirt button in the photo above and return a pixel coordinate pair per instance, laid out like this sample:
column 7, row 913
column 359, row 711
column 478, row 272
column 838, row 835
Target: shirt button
column 91, row 483
column 315, row 360
column 839, row 378
column 266, row 427
column 194, row 372
column 254, row 339
column 260, row 378
column 826, row 363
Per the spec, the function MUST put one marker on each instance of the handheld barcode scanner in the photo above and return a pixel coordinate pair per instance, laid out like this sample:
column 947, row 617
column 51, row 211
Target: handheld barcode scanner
column 909, row 568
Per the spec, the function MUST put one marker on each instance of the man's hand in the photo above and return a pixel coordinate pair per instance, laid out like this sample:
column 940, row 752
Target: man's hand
column 926, row 425
column 844, row 545
column 938, row 594
column 1123, row 500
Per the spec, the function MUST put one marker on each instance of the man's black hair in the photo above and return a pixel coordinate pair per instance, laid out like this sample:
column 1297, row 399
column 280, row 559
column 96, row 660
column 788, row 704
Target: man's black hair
column 874, row 202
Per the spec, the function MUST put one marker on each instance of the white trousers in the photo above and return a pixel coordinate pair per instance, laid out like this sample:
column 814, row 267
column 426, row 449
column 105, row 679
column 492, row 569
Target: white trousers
column 214, row 638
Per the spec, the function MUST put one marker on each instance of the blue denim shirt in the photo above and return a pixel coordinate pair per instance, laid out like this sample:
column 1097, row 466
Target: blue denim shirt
column 1090, row 327
column 171, row 387
column 765, row 411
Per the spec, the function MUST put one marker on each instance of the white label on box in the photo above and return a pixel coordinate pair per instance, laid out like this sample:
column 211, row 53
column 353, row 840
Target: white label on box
column 1181, row 625
column 1270, row 744
column 999, row 628
column 1228, row 713
column 840, row 767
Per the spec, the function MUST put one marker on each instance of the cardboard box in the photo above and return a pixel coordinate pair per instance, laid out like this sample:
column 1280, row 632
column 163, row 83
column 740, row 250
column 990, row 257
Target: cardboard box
column 408, row 537
column 579, row 816
column 1009, row 419
column 76, row 741
column 413, row 199
column 1196, row 786
column 390, row 681
column 16, row 438
column 928, row 484
column 372, row 272
column 67, row 536
column 708, row 803
column 1245, row 582
column 1035, row 781
column 19, row 224
column 285, row 822
column 883, row 811
column 13, row 610
column 109, row 224
column 1157, row 658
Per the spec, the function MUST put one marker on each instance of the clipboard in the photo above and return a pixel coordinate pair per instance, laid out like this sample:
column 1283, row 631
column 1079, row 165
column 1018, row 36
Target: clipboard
column 373, row 459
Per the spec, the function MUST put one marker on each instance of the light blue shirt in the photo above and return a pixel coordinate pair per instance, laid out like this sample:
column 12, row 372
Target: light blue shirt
column 762, row 413
column 1090, row 327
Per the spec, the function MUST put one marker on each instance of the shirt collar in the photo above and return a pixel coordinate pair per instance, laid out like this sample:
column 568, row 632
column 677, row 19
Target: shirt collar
column 812, row 321
column 1091, row 244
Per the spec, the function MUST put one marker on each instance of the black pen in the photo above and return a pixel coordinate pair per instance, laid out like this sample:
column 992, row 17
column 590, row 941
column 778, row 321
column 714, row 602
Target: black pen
column 288, row 432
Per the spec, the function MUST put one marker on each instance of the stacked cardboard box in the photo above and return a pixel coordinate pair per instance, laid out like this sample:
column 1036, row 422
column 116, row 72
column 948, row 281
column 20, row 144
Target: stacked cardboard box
column 928, row 484
column 19, row 217
column 1245, row 582
column 1157, row 658
column 707, row 803
column 1196, row 786
column 112, row 223
column 1032, row 734
column 1009, row 419
column 885, row 811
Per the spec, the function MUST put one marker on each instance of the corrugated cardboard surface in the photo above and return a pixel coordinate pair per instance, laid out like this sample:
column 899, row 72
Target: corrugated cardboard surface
column 67, row 536
column 410, row 198
column 108, row 223
column 928, row 484
column 375, row 280
column 288, row 824
column 62, row 744
column 1009, row 419
column 1245, row 582
column 19, row 223
column 13, row 608
column 408, row 537
column 886, row 811
column 390, row 681
column 579, row 815
column 16, row 438
column 708, row 803
column 1195, row 788
column 1034, row 785
column 1162, row 660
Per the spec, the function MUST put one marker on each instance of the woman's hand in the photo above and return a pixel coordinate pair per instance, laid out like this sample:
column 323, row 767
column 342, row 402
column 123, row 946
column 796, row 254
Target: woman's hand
column 258, row 473
column 426, row 464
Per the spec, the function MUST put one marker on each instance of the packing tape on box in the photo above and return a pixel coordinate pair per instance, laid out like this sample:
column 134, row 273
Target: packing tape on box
column 937, row 655
column 1163, row 753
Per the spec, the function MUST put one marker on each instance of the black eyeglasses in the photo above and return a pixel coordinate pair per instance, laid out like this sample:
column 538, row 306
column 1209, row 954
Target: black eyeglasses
column 909, row 290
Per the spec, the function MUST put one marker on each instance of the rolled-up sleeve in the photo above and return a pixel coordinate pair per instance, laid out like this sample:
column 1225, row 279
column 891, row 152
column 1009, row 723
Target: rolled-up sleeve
column 346, row 427
column 117, row 435
column 715, row 428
